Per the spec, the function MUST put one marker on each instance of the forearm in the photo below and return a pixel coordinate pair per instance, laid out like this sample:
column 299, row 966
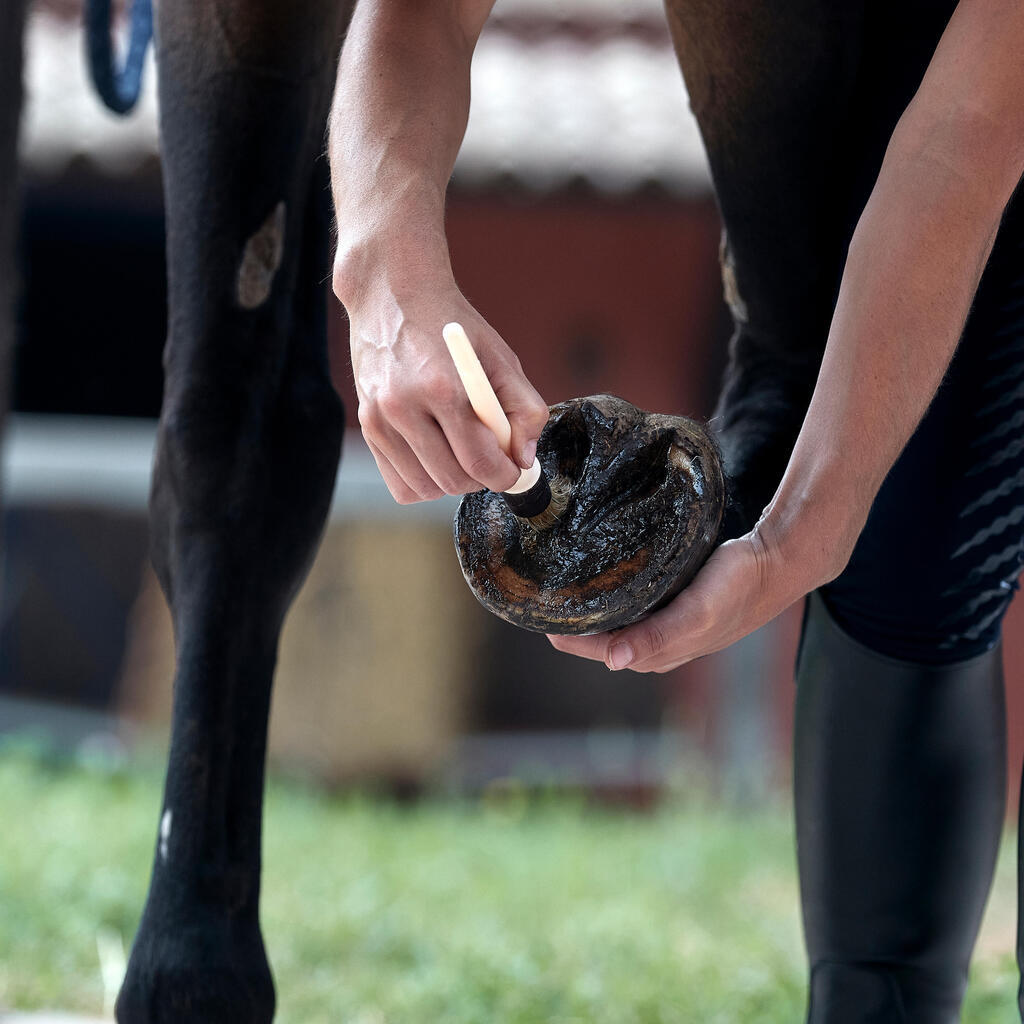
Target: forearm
column 400, row 110
column 912, row 270
column 399, row 114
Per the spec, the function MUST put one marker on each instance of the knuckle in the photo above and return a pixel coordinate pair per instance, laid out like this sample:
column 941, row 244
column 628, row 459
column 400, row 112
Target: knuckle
column 391, row 405
column 429, row 491
column 447, row 483
column 488, row 470
column 369, row 418
column 647, row 642
column 480, row 467
column 654, row 638
column 339, row 281
column 460, row 486
column 539, row 410
column 440, row 388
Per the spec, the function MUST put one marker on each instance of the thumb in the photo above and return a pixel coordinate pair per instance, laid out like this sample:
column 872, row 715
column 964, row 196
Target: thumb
column 527, row 413
column 635, row 644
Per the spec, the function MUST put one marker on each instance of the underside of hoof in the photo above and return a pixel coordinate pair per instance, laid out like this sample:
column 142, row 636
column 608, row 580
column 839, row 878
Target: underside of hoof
column 644, row 502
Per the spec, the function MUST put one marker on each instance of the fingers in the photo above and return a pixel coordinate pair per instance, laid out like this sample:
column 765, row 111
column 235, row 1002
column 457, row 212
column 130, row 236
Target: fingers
column 476, row 452
column 527, row 412
column 740, row 588
column 417, row 418
column 712, row 612
column 433, row 459
column 403, row 474
column 642, row 647
column 431, row 449
column 665, row 640
column 434, row 442
column 594, row 648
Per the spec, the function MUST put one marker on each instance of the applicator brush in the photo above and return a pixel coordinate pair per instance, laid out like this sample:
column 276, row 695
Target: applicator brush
column 532, row 497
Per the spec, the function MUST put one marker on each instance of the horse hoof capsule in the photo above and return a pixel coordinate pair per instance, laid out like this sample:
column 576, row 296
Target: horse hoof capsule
column 645, row 506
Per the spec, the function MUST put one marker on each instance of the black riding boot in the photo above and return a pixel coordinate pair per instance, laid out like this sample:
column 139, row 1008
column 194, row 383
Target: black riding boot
column 900, row 778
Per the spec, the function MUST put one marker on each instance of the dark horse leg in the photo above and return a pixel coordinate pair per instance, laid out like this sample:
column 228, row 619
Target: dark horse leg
column 12, row 30
column 769, row 84
column 248, row 445
column 796, row 102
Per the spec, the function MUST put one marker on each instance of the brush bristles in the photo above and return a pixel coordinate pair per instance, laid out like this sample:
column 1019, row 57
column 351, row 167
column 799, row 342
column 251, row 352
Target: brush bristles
column 542, row 505
column 561, row 488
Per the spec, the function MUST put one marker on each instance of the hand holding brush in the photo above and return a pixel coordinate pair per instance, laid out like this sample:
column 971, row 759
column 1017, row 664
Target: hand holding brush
column 533, row 497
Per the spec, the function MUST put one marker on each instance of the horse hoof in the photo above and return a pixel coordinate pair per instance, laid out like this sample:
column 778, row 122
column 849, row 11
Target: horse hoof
column 197, row 974
column 646, row 497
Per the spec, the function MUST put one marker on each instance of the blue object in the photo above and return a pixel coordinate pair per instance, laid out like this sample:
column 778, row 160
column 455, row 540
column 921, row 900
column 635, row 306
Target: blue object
column 118, row 88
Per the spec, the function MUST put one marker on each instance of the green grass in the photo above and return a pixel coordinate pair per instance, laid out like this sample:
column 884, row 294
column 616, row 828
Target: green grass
column 511, row 911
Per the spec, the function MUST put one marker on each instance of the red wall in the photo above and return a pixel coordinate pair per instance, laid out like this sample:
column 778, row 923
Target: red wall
column 592, row 295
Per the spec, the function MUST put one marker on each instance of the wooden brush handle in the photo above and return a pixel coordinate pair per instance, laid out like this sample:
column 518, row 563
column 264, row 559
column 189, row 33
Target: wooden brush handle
column 483, row 399
column 478, row 388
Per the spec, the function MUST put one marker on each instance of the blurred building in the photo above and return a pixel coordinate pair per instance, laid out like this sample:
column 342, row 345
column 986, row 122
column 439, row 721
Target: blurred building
column 583, row 226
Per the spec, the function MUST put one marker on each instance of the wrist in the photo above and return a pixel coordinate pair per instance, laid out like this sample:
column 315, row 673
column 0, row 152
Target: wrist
column 389, row 266
column 813, row 524
column 395, row 246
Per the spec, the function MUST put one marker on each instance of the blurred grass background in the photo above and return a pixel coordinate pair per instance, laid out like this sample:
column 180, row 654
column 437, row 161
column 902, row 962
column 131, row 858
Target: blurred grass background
column 517, row 908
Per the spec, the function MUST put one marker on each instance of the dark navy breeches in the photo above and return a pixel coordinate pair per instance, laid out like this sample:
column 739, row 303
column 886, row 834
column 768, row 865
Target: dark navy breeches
column 937, row 564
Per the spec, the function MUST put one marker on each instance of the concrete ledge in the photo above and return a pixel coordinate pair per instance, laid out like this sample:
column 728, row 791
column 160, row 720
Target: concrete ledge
column 106, row 462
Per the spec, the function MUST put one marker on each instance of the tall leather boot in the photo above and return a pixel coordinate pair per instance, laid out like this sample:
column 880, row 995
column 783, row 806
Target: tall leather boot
column 900, row 779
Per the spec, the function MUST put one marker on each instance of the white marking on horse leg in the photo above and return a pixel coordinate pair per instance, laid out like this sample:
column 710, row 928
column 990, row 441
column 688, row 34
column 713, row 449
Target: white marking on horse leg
column 730, row 287
column 261, row 259
column 165, row 833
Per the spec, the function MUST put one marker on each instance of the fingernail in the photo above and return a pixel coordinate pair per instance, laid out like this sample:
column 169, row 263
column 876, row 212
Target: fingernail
column 620, row 656
column 529, row 453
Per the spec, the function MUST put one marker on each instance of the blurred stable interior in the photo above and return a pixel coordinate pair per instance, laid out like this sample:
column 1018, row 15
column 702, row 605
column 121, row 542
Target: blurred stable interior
column 583, row 226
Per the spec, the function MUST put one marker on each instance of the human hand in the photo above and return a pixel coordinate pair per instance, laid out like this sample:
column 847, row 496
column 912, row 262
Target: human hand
column 744, row 584
column 413, row 409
